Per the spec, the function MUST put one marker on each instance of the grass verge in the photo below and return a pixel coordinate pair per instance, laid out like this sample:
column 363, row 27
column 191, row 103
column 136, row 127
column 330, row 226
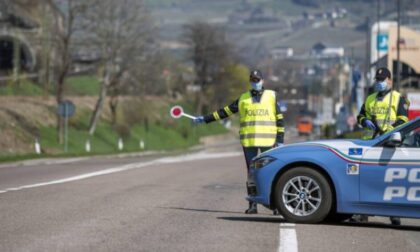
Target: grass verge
column 156, row 136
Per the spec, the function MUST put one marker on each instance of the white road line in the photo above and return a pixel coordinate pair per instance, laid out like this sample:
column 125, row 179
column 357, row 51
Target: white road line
column 43, row 162
column 285, row 224
column 287, row 238
column 64, row 161
column 166, row 160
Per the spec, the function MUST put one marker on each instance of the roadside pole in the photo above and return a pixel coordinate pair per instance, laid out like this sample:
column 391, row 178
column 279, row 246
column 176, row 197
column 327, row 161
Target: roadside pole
column 66, row 122
column 66, row 109
column 87, row 146
column 37, row 146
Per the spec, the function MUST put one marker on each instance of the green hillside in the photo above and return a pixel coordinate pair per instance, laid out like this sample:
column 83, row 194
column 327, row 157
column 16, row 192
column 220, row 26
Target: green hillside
column 27, row 114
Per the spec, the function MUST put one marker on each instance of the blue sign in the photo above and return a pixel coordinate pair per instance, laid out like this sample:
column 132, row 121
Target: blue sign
column 283, row 106
column 382, row 42
column 66, row 109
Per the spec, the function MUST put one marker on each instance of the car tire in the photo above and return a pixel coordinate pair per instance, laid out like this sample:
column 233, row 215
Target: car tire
column 303, row 195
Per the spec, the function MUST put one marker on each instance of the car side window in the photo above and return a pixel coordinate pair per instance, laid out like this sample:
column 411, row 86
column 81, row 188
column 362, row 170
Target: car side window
column 411, row 139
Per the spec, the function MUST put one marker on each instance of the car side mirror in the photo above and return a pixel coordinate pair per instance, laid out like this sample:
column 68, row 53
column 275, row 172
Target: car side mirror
column 395, row 140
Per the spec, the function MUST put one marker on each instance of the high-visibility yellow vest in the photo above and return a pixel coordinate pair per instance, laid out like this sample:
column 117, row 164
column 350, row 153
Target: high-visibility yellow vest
column 385, row 114
column 258, row 120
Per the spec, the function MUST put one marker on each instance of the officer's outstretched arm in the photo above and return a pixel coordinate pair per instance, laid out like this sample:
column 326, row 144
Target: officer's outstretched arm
column 223, row 112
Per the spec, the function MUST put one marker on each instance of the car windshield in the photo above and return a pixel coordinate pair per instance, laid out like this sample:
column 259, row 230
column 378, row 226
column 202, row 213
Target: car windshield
column 412, row 138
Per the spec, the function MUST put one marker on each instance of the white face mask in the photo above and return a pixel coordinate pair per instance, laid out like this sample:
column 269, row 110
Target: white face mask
column 257, row 86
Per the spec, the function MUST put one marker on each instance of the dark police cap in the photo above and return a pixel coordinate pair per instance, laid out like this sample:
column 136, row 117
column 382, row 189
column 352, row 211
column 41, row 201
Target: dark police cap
column 382, row 73
column 256, row 74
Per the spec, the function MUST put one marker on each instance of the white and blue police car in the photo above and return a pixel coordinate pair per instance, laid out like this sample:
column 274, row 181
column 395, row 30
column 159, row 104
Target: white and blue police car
column 313, row 181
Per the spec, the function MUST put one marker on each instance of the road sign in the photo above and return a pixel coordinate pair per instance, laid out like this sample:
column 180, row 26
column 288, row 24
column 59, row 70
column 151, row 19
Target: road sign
column 283, row 106
column 382, row 42
column 177, row 112
column 66, row 109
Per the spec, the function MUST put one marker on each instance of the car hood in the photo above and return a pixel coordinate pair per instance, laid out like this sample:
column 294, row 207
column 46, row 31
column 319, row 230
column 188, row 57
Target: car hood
column 353, row 147
column 337, row 143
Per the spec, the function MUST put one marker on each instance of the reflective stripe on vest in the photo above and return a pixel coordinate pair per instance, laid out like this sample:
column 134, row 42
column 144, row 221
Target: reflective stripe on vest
column 257, row 123
column 258, row 135
column 385, row 115
column 258, row 120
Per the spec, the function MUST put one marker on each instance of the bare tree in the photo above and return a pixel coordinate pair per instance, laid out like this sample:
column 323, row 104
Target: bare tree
column 63, row 42
column 147, row 76
column 142, row 76
column 210, row 52
column 121, row 31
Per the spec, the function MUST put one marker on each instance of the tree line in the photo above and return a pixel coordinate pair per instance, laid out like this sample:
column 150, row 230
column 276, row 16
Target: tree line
column 131, row 61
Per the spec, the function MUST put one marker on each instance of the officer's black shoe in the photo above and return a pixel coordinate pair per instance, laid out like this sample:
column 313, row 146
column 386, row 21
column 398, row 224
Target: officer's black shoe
column 276, row 212
column 252, row 208
column 395, row 221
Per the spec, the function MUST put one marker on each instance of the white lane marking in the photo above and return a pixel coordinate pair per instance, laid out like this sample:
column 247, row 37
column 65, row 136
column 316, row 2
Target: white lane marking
column 287, row 238
column 43, row 162
column 285, row 224
column 166, row 160
column 65, row 161
column 197, row 156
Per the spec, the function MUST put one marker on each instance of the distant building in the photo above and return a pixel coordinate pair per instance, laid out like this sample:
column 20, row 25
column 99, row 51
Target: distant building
column 281, row 53
column 319, row 50
column 30, row 26
column 255, row 15
column 384, row 52
column 332, row 14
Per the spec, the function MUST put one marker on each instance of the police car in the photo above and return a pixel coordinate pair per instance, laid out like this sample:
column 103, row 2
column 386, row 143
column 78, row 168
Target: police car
column 313, row 181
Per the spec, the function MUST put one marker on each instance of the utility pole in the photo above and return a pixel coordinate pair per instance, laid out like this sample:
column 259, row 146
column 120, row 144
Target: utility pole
column 378, row 20
column 398, row 72
column 368, row 50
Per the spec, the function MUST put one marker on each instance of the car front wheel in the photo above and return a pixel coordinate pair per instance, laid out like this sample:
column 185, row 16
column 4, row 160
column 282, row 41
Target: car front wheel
column 303, row 195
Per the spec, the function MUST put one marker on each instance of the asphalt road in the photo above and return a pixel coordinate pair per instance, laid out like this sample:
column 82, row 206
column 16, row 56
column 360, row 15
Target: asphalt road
column 190, row 202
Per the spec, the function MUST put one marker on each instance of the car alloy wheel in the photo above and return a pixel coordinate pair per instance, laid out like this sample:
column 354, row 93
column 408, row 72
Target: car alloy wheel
column 302, row 196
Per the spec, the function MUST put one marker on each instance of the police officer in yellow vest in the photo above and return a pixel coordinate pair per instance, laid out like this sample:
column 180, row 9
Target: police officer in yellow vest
column 261, row 122
column 382, row 111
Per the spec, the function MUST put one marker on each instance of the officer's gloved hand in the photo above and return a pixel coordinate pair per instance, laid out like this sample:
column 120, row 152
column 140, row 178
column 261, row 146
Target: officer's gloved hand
column 198, row 120
column 388, row 128
column 369, row 124
column 277, row 145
